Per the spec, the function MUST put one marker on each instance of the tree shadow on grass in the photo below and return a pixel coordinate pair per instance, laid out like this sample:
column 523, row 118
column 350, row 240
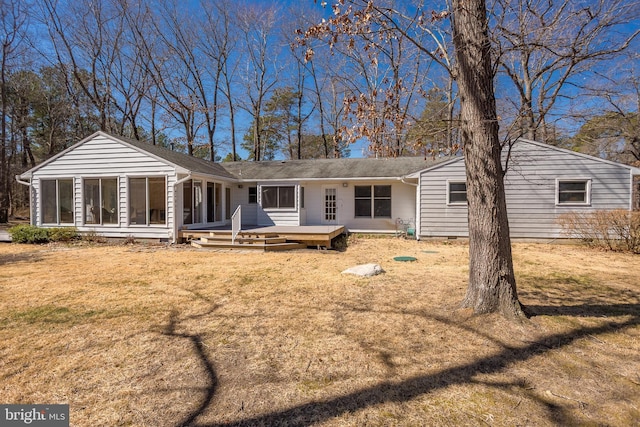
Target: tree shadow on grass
column 586, row 310
column 212, row 379
column 6, row 259
column 406, row 390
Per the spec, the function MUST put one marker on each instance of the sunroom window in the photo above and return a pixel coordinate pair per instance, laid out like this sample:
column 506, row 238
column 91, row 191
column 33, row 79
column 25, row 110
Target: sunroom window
column 100, row 201
column 57, row 201
column 147, row 201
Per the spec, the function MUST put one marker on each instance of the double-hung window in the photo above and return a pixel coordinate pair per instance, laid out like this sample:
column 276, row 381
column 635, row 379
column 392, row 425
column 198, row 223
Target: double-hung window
column 57, row 201
column 278, row 197
column 100, row 200
column 573, row 191
column 147, row 200
column 456, row 193
column 372, row 201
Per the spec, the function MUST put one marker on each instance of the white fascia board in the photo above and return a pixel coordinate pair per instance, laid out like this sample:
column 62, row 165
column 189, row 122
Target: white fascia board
column 390, row 178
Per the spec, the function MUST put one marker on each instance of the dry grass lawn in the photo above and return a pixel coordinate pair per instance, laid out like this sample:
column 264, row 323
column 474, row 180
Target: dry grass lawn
column 144, row 335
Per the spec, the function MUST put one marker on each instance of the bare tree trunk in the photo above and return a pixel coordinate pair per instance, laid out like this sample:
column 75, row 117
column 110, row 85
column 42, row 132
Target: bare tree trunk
column 492, row 285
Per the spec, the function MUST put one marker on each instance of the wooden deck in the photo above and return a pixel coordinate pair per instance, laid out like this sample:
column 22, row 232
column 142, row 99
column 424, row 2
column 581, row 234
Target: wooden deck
column 265, row 238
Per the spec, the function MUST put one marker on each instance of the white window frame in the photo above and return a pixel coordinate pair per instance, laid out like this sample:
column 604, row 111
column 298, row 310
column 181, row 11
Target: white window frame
column 279, row 186
column 587, row 181
column 449, row 202
column 147, row 215
column 84, row 205
column 373, row 199
column 57, row 200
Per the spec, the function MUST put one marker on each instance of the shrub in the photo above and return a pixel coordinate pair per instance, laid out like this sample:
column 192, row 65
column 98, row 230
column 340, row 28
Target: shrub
column 33, row 234
column 612, row 229
column 63, row 234
column 29, row 234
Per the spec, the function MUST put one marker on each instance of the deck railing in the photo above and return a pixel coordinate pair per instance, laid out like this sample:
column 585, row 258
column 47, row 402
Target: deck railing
column 236, row 224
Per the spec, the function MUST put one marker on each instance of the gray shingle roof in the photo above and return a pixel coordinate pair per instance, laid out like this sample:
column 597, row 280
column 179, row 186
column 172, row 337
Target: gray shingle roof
column 190, row 163
column 343, row 168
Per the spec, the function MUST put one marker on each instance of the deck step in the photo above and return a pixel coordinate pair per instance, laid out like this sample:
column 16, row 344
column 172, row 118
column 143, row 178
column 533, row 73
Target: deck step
column 281, row 246
column 242, row 239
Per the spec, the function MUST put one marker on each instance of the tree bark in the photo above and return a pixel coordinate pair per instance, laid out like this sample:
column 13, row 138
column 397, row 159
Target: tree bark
column 492, row 285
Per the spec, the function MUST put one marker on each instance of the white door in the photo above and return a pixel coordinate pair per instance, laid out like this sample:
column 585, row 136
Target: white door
column 330, row 206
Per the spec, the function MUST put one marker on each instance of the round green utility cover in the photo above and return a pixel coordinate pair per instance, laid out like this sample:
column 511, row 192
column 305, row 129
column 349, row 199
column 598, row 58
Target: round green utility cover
column 404, row 258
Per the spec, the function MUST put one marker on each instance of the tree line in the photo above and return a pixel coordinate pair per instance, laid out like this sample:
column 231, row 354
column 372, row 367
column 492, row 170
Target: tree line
column 227, row 80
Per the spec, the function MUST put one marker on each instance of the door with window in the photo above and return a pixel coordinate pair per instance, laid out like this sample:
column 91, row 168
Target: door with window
column 330, row 206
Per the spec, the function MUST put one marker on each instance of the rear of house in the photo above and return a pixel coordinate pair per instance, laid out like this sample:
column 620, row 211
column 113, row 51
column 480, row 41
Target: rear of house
column 541, row 184
column 364, row 195
column 115, row 187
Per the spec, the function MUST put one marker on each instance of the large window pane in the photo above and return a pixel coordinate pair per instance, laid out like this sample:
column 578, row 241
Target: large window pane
column 157, row 200
column 138, row 201
column 197, row 202
column 92, row 209
column 65, row 199
column 100, row 201
column 210, row 200
column 218, row 202
column 227, row 203
column 110, row 201
column 286, row 197
column 382, row 201
column 187, row 200
column 363, row 201
column 269, row 197
column 49, row 200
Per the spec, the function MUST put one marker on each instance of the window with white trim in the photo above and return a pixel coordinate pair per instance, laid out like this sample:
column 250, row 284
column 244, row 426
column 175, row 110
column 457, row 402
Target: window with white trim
column 456, row 193
column 573, row 191
column 372, row 201
column 147, row 201
column 57, row 201
column 100, row 200
column 278, row 197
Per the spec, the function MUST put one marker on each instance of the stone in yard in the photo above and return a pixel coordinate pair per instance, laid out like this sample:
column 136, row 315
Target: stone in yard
column 364, row 270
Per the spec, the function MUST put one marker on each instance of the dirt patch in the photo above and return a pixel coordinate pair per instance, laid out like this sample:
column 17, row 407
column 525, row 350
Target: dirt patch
column 164, row 335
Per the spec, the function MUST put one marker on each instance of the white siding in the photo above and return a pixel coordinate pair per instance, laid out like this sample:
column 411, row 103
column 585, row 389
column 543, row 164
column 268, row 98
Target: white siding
column 283, row 216
column 240, row 196
column 403, row 205
column 530, row 186
column 437, row 219
column 106, row 158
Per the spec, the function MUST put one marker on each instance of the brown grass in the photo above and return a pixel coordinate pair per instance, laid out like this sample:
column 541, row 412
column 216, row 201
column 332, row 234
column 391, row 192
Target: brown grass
column 161, row 336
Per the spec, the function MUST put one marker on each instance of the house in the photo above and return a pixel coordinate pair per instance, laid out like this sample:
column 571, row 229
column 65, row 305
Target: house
column 542, row 183
column 116, row 187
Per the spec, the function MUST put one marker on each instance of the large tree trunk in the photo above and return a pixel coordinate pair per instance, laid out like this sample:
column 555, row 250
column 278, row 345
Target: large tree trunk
column 492, row 285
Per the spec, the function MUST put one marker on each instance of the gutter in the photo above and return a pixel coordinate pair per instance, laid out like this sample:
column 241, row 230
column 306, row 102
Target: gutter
column 31, row 215
column 402, row 179
column 174, row 238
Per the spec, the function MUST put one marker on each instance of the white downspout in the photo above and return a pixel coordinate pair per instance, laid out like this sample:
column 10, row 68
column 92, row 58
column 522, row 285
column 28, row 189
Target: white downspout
column 31, row 212
column 175, row 207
